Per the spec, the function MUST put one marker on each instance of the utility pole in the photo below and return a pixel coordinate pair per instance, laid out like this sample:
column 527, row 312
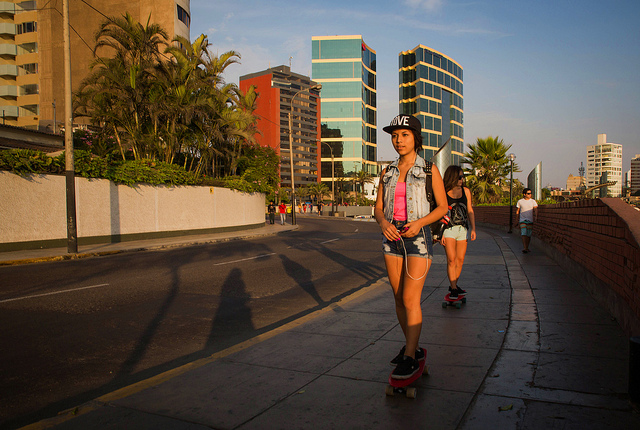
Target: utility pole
column 511, row 158
column 72, row 231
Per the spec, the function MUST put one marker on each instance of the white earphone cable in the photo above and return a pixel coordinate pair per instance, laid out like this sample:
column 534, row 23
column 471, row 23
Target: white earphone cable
column 406, row 263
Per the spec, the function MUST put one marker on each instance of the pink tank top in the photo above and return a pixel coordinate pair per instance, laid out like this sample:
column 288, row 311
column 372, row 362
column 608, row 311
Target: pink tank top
column 400, row 202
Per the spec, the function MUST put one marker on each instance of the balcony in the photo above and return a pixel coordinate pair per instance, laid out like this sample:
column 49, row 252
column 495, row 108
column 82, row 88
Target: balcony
column 8, row 49
column 9, row 111
column 8, row 70
column 7, row 7
column 8, row 91
column 7, row 28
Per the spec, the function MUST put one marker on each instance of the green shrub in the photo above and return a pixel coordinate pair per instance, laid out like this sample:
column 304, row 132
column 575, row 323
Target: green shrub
column 129, row 172
column 26, row 161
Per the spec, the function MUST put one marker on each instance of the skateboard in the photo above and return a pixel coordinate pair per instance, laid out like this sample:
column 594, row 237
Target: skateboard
column 448, row 301
column 402, row 385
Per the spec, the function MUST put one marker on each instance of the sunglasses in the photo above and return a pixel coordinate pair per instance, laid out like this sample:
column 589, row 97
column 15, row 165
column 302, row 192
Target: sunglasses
column 528, row 193
column 461, row 177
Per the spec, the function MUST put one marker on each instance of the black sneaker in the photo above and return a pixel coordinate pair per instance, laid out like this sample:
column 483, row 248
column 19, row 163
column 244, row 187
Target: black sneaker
column 406, row 368
column 398, row 358
column 420, row 355
column 460, row 291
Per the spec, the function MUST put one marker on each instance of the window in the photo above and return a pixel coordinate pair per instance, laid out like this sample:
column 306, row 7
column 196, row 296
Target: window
column 29, row 110
column 28, row 69
column 183, row 16
column 26, row 90
column 26, row 6
column 26, row 27
column 27, row 48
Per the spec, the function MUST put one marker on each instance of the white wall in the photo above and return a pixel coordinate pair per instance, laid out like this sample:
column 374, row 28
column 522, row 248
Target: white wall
column 33, row 208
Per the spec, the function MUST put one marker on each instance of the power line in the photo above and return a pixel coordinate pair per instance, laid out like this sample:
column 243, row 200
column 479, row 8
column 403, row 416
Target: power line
column 111, row 20
column 91, row 6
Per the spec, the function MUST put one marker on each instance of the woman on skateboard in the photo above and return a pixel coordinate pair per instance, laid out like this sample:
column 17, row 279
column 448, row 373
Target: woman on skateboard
column 454, row 238
column 402, row 212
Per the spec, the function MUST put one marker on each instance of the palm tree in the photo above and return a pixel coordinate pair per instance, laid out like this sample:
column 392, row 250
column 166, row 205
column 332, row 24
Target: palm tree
column 362, row 177
column 489, row 167
column 168, row 105
column 303, row 192
column 319, row 190
column 345, row 196
column 119, row 87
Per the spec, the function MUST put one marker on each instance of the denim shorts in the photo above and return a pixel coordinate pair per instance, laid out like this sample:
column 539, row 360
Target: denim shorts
column 420, row 245
column 457, row 232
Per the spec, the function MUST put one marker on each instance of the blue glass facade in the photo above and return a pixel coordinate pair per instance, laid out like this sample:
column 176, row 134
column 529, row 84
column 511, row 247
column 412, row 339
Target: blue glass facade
column 431, row 88
column 346, row 68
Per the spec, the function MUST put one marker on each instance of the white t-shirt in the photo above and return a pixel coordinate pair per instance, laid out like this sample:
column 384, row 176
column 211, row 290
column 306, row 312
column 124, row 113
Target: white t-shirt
column 526, row 209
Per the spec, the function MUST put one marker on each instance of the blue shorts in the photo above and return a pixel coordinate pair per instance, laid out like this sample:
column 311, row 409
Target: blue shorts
column 420, row 245
column 457, row 232
column 526, row 228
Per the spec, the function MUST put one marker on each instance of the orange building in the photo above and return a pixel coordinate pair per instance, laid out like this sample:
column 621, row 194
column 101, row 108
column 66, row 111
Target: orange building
column 32, row 56
column 277, row 87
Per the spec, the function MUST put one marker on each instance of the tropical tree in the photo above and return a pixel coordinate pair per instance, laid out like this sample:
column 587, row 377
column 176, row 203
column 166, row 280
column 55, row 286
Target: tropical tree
column 345, row 197
column 117, row 93
column 362, row 177
column 489, row 166
column 170, row 105
column 303, row 192
column 318, row 190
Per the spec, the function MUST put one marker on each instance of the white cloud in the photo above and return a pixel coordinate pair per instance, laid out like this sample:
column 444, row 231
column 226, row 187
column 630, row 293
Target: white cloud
column 430, row 5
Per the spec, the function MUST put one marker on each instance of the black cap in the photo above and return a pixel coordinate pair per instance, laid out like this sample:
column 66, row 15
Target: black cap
column 404, row 121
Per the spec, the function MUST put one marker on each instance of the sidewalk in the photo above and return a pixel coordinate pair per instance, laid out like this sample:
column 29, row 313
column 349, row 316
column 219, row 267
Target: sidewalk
column 54, row 254
column 529, row 350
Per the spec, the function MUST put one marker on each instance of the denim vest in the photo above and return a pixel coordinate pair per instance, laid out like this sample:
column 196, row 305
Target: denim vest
column 417, row 204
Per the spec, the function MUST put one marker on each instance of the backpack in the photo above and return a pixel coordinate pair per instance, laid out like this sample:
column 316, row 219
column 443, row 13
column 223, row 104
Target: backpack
column 438, row 227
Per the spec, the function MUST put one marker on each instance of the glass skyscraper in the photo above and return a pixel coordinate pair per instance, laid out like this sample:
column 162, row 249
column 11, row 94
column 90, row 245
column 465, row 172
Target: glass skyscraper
column 431, row 90
column 346, row 68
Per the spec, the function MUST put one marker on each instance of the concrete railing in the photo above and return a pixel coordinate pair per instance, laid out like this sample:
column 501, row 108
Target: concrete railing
column 33, row 211
column 596, row 240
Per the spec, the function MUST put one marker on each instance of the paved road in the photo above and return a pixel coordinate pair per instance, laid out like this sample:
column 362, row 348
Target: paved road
column 74, row 330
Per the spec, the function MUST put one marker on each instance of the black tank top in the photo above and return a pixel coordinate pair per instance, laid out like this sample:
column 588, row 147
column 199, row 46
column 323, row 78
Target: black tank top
column 458, row 211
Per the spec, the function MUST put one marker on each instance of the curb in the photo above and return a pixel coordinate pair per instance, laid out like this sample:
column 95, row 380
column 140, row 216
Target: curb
column 106, row 399
column 82, row 255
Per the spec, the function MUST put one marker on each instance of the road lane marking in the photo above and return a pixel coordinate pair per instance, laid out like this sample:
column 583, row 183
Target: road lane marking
column 52, row 293
column 327, row 241
column 245, row 259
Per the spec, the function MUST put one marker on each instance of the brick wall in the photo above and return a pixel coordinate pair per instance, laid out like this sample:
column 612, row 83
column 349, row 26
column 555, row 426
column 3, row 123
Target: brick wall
column 497, row 215
column 599, row 235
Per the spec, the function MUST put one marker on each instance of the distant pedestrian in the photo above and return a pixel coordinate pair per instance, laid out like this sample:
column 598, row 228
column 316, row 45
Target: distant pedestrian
column 304, row 208
column 455, row 236
column 526, row 214
column 283, row 212
column 272, row 212
column 320, row 208
column 403, row 213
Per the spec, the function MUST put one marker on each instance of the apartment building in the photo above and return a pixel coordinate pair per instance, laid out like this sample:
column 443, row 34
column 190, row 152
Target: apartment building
column 283, row 94
column 32, row 50
column 604, row 161
column 635, row 174
column 575, row 182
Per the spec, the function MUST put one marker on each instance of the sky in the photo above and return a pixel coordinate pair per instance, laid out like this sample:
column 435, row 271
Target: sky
column 545, row 76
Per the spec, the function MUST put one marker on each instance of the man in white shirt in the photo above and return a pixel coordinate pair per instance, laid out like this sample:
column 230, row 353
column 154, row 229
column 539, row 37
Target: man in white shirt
column 526, row 214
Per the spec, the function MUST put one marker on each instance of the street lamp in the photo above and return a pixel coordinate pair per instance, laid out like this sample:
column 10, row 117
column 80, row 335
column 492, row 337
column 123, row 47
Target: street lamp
column 333, row 182
column 293, row 186
column 512, row 157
